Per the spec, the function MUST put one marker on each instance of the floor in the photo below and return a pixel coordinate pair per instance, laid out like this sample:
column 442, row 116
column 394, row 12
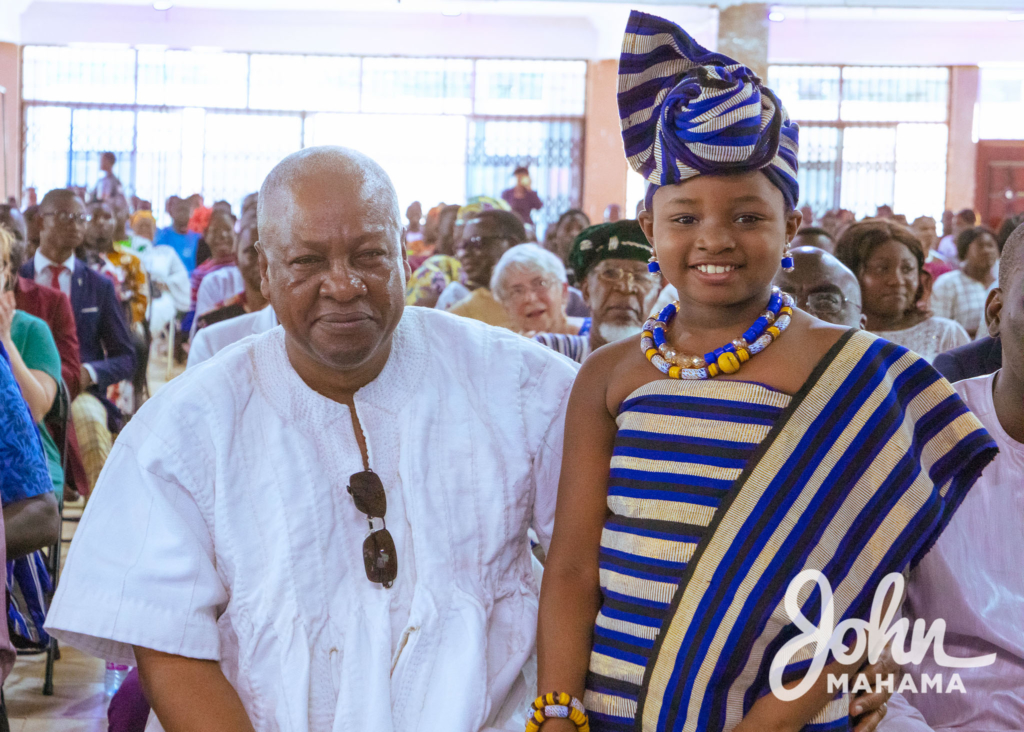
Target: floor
column 78, row 703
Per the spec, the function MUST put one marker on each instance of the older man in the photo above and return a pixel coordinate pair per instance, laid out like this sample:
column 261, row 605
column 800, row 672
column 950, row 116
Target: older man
column 227, row 551
column 610, row 263
column 823, row 286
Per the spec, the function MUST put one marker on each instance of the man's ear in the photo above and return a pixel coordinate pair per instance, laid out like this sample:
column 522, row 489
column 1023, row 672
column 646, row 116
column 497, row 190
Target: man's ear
column 405, row 260
column 993, row 311
column 261, row 259
column 585, row 288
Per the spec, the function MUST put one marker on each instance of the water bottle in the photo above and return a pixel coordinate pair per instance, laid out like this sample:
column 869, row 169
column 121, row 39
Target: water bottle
column 116, row 673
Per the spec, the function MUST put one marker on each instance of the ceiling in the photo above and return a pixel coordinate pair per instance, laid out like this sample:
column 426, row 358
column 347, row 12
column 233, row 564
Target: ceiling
column 566, row 7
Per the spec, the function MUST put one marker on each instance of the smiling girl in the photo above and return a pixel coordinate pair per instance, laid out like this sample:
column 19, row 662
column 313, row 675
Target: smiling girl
column 747, row 441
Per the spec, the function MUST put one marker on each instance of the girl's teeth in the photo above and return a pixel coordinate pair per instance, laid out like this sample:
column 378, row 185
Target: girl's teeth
column 715, row 269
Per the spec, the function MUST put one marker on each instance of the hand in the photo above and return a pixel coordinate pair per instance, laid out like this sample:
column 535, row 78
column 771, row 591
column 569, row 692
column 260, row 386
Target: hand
column 868, row 710
column 85, row 377
column 7, row 307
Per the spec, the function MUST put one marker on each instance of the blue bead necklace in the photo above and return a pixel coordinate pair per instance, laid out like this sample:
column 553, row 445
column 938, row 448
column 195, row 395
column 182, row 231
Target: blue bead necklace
column 724, row 360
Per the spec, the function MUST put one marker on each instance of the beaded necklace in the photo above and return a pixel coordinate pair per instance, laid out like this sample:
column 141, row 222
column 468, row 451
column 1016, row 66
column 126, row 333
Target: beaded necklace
column 724, row 360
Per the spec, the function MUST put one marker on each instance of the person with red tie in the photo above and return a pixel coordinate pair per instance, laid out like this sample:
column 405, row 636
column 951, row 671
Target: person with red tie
column 104, row 344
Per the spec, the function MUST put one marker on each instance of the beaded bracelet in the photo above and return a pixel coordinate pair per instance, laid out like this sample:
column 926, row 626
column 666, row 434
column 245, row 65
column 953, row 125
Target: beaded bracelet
column 557, row 705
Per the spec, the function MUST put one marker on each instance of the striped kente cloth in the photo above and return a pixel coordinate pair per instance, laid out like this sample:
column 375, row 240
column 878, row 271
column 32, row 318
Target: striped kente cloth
column 672, row 464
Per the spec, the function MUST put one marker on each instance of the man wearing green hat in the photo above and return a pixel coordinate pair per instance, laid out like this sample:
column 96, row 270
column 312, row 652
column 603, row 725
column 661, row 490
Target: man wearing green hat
column 610, row 262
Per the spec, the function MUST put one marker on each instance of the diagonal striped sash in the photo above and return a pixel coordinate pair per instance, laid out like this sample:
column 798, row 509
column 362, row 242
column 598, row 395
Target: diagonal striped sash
column 856, row 479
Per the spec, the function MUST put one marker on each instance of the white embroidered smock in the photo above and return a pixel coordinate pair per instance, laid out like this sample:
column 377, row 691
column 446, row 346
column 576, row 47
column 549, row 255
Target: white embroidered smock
column 221, row 529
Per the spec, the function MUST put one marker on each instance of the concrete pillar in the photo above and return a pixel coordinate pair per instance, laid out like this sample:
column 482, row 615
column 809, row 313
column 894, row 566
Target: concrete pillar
column 10, row 79
column 962, row 152
column 604, row 161
column 743, row 35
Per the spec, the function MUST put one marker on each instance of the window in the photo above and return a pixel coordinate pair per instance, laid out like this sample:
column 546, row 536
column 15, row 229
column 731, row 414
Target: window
column 1000, row 113
column 185, row 121
column 869, row 135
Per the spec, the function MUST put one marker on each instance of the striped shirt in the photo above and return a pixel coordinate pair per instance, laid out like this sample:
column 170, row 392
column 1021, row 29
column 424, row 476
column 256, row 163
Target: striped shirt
column 961, row 298
column 576, row 347
column 680, row 447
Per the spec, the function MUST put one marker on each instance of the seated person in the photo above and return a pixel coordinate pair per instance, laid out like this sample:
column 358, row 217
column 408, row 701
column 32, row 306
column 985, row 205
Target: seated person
column 54, row 308
column 105, row 253
column 888, row 261
column 250, row 299
column 823, row 287
column 281, row 612
column 168, row 277
column 610, row 263
column 814, row 236
column 177, row 235
column 971, row 578
column 960, row 295
column 560, row 235
column 220, row 236
column 30, row 516
column 104, row 344
column 486, row 236
column 531, row 284
column 457, row 289
column 36, row 365
column 215, row 338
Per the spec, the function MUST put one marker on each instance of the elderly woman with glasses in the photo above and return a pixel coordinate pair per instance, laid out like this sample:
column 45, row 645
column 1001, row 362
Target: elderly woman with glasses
column 531, row 284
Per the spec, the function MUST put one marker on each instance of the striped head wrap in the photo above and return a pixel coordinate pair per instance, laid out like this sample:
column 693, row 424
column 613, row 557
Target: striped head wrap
column 480, row 203
column 685, row 111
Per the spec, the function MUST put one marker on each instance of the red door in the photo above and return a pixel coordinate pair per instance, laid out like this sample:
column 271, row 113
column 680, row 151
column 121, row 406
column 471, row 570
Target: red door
column 1000, row 180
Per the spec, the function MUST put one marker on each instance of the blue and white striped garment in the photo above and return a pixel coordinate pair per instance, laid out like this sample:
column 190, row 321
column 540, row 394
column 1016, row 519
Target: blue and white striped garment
column 576, row 347
column 672, row 463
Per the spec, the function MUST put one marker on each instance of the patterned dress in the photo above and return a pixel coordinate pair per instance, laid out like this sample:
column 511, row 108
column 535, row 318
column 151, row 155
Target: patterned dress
column 680, row 447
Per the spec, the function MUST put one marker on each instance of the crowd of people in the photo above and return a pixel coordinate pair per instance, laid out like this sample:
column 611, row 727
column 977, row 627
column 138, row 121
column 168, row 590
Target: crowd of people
column 586, row 410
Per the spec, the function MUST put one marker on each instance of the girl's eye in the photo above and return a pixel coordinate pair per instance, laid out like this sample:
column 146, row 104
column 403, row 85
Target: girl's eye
column 685, row 219
column 748, row 219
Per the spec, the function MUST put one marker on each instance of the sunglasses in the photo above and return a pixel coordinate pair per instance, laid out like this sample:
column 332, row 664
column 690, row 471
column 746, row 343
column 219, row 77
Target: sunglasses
column 379, row 556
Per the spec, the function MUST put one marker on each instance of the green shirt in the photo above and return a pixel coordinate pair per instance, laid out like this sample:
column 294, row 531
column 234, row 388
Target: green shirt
column 32, row 338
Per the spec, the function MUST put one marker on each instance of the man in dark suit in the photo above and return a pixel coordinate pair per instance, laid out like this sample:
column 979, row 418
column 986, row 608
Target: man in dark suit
column 104, row 344
column 978, row 358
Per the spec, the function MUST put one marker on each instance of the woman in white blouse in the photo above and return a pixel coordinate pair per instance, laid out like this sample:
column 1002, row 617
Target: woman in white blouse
column 888, row 260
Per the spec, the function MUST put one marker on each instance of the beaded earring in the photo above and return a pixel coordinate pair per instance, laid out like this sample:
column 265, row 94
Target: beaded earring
column 652, row 264
column 787, row 260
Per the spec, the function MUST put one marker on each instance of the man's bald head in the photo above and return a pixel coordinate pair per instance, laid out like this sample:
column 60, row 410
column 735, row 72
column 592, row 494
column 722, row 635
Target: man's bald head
column 823, row 286
column 334, row 171
column 1011, row 261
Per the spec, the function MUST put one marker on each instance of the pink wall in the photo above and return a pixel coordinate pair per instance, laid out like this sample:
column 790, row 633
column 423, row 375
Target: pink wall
column 10, row 71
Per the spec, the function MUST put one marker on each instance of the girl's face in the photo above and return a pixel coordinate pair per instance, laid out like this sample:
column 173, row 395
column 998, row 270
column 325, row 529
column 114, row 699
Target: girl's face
column 889, row 281
column 720, row 238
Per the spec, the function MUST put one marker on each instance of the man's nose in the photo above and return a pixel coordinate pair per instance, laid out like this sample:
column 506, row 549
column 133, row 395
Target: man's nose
column 342, row 283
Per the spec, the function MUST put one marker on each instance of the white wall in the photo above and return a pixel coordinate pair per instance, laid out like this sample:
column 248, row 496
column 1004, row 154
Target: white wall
column 519, row 29
column 553, row 30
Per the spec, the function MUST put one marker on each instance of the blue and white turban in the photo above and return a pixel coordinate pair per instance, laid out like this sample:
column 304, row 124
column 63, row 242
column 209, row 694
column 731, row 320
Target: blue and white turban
column 685, row 111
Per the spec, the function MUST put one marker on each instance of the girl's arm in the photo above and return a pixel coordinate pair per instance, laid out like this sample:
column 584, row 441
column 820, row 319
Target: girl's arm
column 570, row 596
